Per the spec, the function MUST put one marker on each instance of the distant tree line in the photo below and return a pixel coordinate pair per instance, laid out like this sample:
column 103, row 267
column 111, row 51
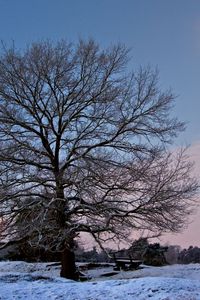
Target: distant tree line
column 190, row 255
column 141, row 249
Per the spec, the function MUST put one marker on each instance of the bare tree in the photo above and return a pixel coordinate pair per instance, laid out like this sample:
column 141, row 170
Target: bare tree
column 83, row 148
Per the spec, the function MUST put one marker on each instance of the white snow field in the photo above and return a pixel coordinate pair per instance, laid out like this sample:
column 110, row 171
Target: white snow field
column 21, row 280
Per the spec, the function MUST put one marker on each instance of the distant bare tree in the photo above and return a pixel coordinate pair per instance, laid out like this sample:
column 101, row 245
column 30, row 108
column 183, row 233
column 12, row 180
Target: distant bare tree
column 83, row 148
column 172, row 254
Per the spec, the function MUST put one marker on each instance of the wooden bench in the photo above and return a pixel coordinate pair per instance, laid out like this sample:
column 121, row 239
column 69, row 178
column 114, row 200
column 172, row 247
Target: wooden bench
column 126, row 263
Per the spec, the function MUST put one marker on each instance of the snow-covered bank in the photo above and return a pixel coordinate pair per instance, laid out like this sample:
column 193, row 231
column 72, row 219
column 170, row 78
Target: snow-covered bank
column 20, row 280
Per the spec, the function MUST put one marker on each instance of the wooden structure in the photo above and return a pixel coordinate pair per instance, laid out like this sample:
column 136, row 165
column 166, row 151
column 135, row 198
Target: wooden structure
column 126, row 263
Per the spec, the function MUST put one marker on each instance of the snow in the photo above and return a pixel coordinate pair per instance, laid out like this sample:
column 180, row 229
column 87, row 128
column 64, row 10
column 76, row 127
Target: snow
column 21, row 280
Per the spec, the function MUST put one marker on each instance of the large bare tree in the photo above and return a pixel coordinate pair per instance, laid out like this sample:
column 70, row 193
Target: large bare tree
column 83, row 148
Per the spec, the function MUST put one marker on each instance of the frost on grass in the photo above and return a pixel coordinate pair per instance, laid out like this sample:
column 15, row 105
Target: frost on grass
column 20, row 280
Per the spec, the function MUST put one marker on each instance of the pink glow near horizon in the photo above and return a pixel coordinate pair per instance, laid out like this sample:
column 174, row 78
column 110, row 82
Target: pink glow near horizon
column 191, row 235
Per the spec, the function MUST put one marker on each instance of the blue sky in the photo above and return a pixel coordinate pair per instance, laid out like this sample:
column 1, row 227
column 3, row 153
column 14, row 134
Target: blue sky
column 162, row 33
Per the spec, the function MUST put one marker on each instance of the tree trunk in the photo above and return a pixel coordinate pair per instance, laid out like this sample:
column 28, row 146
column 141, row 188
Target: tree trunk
column 61, row 204
column 68, row 267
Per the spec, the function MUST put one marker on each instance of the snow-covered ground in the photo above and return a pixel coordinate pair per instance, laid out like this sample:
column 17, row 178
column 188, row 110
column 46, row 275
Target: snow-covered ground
column 20, row 280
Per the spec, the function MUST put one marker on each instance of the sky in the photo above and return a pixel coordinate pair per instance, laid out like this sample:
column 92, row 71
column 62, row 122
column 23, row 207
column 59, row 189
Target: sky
column 161, row 33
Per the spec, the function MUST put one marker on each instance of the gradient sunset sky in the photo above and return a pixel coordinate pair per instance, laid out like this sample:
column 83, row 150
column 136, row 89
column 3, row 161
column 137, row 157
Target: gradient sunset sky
column 161, row 33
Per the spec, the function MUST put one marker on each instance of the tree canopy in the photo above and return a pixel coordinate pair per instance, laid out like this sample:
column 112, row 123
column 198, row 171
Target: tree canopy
column 84, row 147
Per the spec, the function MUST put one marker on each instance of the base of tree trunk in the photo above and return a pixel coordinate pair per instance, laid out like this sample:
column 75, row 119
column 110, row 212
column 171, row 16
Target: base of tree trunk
column 68, row 267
